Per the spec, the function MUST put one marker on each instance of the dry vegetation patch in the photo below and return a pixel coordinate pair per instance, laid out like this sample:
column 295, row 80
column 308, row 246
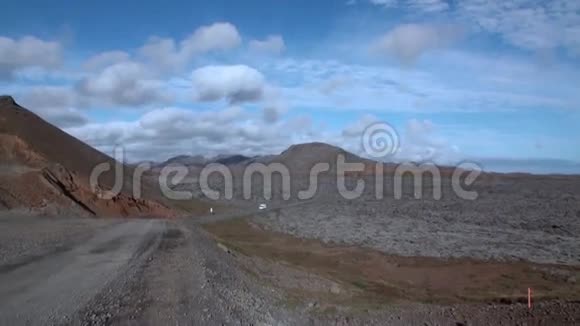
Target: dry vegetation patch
column 375, row 277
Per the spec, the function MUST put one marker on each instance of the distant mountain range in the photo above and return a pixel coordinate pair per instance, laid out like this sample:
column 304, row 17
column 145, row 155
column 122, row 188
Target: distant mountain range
column 44, row 168
column 299, row 157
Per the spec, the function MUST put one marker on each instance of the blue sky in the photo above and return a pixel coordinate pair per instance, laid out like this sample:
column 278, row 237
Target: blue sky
column 492, row 82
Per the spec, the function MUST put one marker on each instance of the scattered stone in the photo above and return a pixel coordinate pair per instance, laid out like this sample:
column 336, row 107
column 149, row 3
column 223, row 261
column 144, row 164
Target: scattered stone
column 224, row 248
column 335, row 289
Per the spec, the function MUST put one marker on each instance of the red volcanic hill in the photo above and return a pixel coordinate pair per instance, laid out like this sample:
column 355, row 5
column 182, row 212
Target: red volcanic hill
column 44, row 169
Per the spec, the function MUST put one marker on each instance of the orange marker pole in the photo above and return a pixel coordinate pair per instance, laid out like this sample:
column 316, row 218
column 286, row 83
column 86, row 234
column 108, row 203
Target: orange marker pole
column 529, row 298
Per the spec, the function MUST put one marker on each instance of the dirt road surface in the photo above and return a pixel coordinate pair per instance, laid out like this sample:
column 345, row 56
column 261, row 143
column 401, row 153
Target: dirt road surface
column 47, row 289
column 141, row 272
column 70, row 271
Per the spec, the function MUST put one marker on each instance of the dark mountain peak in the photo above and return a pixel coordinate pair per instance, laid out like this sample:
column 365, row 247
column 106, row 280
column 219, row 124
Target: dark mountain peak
column 7, row 100
column 186, row 160
column 302, row 157
column 178, row 158
column 231, row 159
column 313, row 147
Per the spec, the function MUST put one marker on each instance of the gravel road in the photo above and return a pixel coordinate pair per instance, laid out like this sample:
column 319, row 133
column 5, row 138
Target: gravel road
column 140, row 272
column 69, row 271
column 190, row 280
column 48, row 289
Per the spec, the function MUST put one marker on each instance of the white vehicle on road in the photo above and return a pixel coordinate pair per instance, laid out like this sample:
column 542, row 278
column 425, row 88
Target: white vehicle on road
column 262, row 206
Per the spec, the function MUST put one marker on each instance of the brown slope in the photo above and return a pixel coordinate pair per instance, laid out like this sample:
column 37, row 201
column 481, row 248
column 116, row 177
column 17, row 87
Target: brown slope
column 300, row 158
column 47, row 140
column 43, row 167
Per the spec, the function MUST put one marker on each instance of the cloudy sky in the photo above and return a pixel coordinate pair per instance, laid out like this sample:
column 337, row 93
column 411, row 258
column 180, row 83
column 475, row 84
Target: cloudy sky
column 496, row 82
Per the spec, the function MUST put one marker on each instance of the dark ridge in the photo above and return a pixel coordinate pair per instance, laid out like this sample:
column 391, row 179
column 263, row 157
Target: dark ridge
column 314, row 146
column 55, row 181
column 233, row 159
column 177, row 158
column 185, row 159
column 7, row 100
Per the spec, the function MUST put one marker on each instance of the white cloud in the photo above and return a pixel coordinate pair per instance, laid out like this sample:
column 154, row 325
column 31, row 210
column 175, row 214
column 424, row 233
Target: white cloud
column 163, row 53
column 357, row 128
column 218, row 36
column 168, row 55
column 229, row 114
column 65, row 117
column 408, row 42
column 527, row 24
column 459, row 81
column 166, row 119
column 273, row 44
column 416, row 5
column 28, row 51
column 166, row 132
column 125, row 83
column 428, row 5
column 419, row 141
column 335, row 83
column 532, row 25
column 270, row 114
column 41, row 75
column 105, row 59
column 331, row 85
column 238, row 83
column 56, row 104
column 40, row 97
column 385, row 3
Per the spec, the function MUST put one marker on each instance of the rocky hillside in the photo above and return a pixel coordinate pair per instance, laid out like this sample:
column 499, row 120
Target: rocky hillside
column 44, row 169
